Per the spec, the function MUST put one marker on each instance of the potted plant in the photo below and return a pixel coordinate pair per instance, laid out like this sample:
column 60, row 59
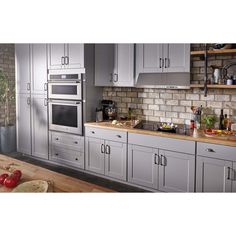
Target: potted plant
column 209, row 121
column 7, row 130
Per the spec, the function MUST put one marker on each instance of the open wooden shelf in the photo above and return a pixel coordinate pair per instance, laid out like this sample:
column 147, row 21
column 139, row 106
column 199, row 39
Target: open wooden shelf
column 220, row 51
column 220, row 86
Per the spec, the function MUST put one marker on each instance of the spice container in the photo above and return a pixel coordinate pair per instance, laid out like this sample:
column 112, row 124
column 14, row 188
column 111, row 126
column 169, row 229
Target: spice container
column 229, row 81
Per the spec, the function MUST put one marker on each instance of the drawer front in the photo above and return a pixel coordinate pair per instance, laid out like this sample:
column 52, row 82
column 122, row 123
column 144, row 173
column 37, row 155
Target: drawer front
column 74, row 141
column 172, row 144
column 216, row 151
column 113, row 135
column 67, row 156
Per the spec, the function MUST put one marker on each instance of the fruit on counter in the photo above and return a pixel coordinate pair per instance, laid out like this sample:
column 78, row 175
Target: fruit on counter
column 17, row 173
column 3, row 177
column 114, row 122
column 12, row 180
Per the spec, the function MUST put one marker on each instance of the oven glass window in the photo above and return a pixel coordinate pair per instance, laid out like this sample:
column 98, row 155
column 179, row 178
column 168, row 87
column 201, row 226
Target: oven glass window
column 64, row 115
column 64, row 89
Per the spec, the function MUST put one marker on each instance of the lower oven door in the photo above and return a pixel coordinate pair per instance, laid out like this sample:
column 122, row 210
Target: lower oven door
column 65, row 116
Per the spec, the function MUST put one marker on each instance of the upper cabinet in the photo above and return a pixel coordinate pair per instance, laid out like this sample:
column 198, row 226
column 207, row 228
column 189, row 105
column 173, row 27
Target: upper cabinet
column 61, row 56
column 162, row 58
column 114, row 65
column 31, row 68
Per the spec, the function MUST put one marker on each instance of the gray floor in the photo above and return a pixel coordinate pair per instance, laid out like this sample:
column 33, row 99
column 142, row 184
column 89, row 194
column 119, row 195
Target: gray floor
column 119, row 187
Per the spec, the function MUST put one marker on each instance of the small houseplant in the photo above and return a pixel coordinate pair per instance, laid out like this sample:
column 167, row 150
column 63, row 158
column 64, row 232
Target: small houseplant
column 7, row 130
column 209, row 121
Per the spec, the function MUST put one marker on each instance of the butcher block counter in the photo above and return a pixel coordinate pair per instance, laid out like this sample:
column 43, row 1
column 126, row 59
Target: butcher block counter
column 126, row 126
column 57, row 182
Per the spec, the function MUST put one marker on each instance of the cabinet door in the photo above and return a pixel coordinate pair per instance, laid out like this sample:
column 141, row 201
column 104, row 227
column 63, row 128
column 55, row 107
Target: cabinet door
column 149, row 58
column 22, row 53
column 124, row 65
column 94, row 151
column 115, row 159
column 75, row 54
column 23, row 124
column 176, row 57
column 176, row 172
column 213, row 175
column 104, row 64
column 233, row 177
column 56, row 52
column 38, row 68
column 39, row 126
column 142, row 169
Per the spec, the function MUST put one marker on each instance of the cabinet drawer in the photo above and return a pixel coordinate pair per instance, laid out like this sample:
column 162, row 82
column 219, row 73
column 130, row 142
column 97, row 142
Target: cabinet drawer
column 153, row 141
column 216, row 151
column 113, row 135
column 74, row 141
column 67, row 156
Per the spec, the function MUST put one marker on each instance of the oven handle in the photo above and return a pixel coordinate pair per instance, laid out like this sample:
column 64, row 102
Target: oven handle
column 65, row 102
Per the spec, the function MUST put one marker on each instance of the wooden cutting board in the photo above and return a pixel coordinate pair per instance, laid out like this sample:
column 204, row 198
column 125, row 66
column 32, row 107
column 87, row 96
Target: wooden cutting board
column 59, row 182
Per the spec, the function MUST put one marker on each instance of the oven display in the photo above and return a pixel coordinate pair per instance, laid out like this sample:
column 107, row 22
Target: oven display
column 64, row 115
column 64, row 89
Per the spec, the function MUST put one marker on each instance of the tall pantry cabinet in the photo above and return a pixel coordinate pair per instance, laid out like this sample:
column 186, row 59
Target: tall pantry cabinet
column 31, row 96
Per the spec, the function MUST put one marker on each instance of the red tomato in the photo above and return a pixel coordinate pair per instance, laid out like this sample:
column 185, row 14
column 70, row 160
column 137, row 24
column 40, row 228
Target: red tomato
column 11, row 181
column 17, row 173
column 3, row 177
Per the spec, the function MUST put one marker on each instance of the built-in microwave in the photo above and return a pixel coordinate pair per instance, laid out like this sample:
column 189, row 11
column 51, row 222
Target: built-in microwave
column 65, row 116
column 65, row 90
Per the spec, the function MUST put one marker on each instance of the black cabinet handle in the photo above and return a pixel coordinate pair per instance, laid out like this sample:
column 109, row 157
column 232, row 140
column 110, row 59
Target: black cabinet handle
column 102, row 148
column 108, row 149
column 210, row 150
column 165, row 62
column 63, row 60
column 76, row 142
column 155, row 159
column 76, row 159
column 92, row 132
column 228, row 177
column 56, row 154
column 160, row 62
column 66, row 60
column 163, row 161
column 57, row 138
column 119, row 136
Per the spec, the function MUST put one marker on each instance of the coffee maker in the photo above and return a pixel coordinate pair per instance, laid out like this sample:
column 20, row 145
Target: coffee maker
column 107, row 107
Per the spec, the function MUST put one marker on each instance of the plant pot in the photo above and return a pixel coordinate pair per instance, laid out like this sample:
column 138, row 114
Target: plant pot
column 8, row 138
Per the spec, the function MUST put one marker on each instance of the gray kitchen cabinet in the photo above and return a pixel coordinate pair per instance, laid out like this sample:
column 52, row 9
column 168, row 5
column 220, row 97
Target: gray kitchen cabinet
column 94, row 155
column 38, row 68
column 106, row 152
column 213, row 175
column 162, row 58
column 62, row 56
column 23, row 126
column 215, row 168
column 114, row 65
column 233, row 176
column 67, row 149
column 176, row 171
column 142, row 166
column 115, row 159
column 31, row 68
column 39, row 126
column 22, row 61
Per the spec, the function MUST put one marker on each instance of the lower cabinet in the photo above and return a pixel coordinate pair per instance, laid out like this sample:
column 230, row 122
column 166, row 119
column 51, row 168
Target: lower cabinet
column 66, row 149
column 213, row 175
column 106, row 157
column 216, row 168
column 160, row 169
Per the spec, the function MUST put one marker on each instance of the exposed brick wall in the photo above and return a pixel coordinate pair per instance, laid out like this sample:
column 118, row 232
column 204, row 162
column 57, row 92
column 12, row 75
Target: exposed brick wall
column 175, row 105
column 7, row 64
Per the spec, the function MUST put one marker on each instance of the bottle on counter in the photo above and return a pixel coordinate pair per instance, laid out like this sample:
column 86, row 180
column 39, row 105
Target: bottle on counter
column 221, row 124
column 227, row 123
column 129, row 113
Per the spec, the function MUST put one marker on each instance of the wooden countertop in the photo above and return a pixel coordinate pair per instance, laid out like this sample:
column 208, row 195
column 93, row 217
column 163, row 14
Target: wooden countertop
column 227, row 140
column 58, row 182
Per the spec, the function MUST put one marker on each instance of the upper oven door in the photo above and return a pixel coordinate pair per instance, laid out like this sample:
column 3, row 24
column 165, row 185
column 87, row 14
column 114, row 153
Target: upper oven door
column 64, row 90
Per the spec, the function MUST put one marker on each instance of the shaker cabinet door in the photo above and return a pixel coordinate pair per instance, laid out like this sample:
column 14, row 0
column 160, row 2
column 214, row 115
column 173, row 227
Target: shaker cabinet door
column 39, row 68
column 39, row 126
column 115, row 160
column 142, row 169
column 176, row 57
column 213, row 175
column 94, row 152
column 75, row 55
column 176, row 172
column 22, row 57
column 56, row 52
column 23, row 124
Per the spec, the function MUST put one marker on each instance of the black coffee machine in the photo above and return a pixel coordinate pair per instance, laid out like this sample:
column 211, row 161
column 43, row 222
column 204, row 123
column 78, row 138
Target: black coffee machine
column 105, row 105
